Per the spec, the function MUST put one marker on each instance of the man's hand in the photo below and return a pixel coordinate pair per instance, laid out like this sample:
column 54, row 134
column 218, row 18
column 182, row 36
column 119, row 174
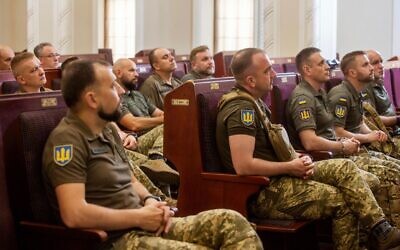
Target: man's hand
column 130, row 142
column 350, row 146
column 302, row 167
column 377, row 135
column 165, row 224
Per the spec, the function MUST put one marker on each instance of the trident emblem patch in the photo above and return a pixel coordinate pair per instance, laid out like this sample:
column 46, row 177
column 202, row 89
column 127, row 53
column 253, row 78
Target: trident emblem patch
column 63, row 154
column 340, row 111
column 247, row 116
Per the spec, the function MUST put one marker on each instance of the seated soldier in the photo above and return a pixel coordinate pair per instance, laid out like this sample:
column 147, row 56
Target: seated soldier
column 89, row 183
column 142, row 117
column 378, row 96
column 6, row 55
column 47, row 55
column 202, row 62
column 299, row 188
column 29, row 73
column 346, row 103
column 310, row 127
column 161, row 82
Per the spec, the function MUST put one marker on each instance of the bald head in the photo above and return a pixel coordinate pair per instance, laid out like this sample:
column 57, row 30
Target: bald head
column 125, row 71
column 375, row 58
column 6, row 55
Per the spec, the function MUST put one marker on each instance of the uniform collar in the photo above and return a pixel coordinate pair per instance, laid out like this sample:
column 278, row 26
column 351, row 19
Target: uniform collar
column 351, row 89
column 307, row 86
column 72, row 118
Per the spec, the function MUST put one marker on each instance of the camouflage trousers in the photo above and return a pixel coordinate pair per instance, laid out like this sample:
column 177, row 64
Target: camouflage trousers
column 213, row 229
column 149, row 185
column 336, row 190
column 151, row 142
column 387, row 169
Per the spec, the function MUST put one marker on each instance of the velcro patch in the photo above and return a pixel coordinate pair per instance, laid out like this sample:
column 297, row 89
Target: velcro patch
column 340, row 111
column 62, row 154
column 305, row 114
column 247, row 116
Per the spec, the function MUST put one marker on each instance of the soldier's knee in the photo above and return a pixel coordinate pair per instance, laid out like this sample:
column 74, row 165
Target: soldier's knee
column 347, row 166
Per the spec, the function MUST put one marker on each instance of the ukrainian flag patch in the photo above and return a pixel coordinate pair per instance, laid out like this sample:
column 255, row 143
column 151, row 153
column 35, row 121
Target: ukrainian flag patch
column 247, row 116
column 62, row 154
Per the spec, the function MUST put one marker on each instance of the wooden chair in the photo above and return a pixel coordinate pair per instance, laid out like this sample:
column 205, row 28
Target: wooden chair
column 190, row 145
column 222, row 63
column 26, row 121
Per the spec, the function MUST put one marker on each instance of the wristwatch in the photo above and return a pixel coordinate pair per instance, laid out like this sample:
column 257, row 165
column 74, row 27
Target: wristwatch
column 157, row 198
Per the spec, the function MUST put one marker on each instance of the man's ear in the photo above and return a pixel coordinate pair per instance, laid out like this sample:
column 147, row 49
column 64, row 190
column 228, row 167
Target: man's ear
column 306, row 69
column 250, row 79
column 90, row 99
column 21, row 80
column 352, row 72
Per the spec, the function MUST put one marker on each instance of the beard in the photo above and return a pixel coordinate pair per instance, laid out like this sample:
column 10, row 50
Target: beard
column 129, row 85
column 110, row 117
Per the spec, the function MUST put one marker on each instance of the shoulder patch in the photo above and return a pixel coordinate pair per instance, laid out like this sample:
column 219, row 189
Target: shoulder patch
column 340, row 111
column 342, row 99
column 302, row 102
column 247, row 116
column 304, row 114
column 62, row 154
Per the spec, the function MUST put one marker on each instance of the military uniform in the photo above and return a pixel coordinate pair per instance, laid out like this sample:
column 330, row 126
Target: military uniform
column 156, row 89
column 379, row 98
column 336, row 189
column 346, row 104
column 73, row 154
column 150, row 142
column 307, row 109
column 193, row 75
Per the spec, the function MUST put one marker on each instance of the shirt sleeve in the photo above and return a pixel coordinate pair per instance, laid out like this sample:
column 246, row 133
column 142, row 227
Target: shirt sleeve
column 242, row 120
column 64, row 158
column 302, row 111
column 339, row 104
column 149, row 90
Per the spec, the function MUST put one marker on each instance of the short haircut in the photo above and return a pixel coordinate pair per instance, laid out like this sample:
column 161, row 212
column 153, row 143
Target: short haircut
column 152, row 57
column 242, row 61
column 303, row 56
column 348, row 60
column 39, row 48
column 77, row 76
column 68, row 61
column 18, row 59
column 196, row 50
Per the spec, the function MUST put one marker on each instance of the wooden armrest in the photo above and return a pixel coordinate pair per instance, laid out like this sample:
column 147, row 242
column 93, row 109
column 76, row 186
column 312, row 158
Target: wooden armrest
column 253, row 179
column 61, row 232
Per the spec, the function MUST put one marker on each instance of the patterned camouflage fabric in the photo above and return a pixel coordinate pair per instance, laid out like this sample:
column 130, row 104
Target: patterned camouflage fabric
column 336, row 190
column 151, row 142
column 213, row 229
column 149, row 185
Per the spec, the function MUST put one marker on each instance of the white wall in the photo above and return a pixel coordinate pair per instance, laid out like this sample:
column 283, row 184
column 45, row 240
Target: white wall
column 163, row 23
column 365, row 24
column 12, row 22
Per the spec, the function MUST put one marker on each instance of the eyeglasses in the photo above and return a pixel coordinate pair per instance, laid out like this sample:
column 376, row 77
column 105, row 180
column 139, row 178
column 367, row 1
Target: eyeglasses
column 52, row 55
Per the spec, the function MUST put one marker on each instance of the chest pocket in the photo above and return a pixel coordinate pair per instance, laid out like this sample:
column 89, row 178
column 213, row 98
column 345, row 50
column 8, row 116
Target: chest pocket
column 101, row 151
column 354, row 116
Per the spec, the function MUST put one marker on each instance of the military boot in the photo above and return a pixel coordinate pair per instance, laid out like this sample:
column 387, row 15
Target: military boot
column 383, row 236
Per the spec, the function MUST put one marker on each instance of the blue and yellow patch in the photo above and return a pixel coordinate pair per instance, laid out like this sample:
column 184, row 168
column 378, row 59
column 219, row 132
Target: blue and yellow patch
column 340, row 111
column 62, row 154
column 247, row 116
column 304, row 114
